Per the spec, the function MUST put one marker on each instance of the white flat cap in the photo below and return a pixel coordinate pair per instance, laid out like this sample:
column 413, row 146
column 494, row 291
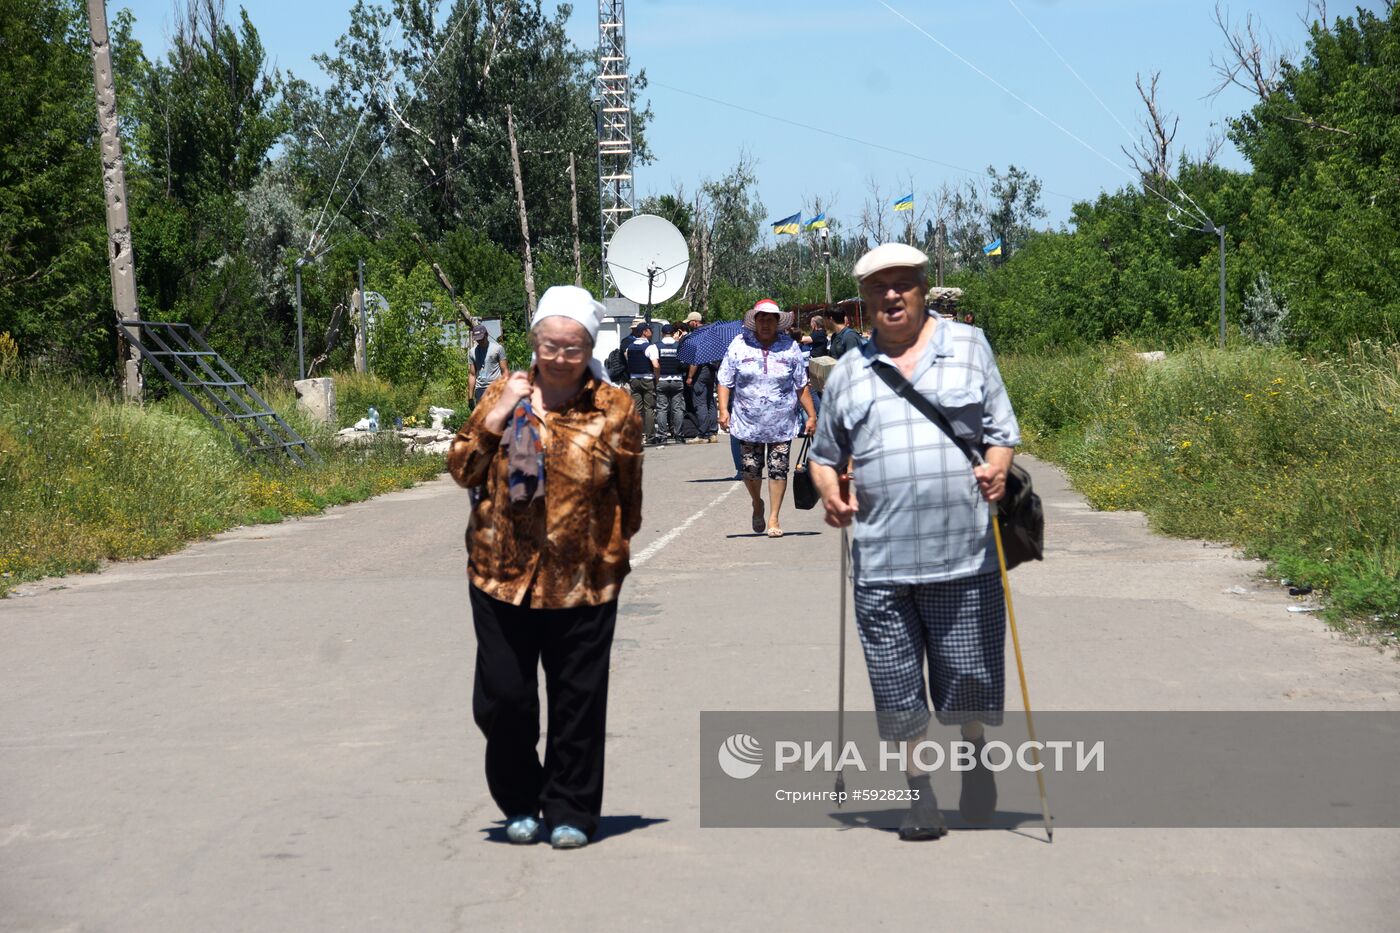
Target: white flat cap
column 890, row 255
column 571, row 302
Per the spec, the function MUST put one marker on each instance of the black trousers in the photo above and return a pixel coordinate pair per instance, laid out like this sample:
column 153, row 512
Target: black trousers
column 573, row 646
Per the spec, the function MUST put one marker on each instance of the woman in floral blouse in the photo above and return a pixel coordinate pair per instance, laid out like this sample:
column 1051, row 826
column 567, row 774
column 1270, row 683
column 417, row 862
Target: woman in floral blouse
column 765, row 372
column 553, row 457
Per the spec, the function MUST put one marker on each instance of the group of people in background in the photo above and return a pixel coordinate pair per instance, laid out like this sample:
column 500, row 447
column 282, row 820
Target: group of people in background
column 681, row 403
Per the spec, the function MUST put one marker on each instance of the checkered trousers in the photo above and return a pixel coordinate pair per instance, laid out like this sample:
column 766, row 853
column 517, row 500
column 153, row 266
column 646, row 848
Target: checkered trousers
column 960, row 625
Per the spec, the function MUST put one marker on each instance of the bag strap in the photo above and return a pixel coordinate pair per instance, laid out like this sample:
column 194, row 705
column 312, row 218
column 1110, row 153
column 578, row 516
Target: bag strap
column 802, row 454
column 903, row 388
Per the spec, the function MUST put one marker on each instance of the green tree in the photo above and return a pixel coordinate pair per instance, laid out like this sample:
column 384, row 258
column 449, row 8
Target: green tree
column 205, row 119
column 55, row 293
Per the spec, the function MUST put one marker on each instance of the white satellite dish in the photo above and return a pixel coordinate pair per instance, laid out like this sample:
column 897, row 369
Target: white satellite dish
column 648, row 259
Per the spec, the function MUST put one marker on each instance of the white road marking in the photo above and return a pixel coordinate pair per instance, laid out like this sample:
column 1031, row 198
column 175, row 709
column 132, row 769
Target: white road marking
column 654, row 548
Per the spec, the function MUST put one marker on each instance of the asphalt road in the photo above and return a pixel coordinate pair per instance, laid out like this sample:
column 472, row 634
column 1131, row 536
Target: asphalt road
column 271, row 731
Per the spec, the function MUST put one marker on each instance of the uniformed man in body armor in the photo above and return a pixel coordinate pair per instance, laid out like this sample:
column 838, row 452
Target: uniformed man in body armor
column 670, row 388
column 643, row 368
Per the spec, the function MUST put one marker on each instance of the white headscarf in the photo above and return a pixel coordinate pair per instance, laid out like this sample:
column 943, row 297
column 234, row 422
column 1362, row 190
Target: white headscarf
column 576, row 304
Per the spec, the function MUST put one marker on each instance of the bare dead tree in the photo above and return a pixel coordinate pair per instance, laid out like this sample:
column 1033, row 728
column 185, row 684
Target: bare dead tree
column 872, row 212
column 1317, row 10
column 1151, row 154
column 1251, row 59
column 1214, row 143
column 702, row 250
column 332, row 335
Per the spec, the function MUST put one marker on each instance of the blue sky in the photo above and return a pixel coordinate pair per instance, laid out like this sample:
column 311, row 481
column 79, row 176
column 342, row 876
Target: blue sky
column 857, row 69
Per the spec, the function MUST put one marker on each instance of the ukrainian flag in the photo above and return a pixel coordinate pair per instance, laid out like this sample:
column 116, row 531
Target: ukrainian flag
column 818, row 222
column 993, row 248
column 789, row 225
column 905, row 203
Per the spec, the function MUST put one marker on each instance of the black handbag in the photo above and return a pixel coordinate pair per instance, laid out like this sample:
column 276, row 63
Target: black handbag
column 804, row 491
column 1020, row 514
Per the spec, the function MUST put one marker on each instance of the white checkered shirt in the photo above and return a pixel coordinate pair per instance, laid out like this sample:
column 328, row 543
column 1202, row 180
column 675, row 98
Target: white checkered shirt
column 922, row 518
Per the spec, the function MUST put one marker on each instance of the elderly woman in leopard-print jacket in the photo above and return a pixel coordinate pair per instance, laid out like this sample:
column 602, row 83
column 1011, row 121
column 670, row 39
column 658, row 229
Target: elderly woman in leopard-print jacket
column 554, row 458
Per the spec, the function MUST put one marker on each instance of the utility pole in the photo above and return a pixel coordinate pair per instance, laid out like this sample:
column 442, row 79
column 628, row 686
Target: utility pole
column 364, row 321
column 1221, row 231
column 578, row 253
column 940, row 238
column 524, row 223
column 301, row 355
column 119, row 256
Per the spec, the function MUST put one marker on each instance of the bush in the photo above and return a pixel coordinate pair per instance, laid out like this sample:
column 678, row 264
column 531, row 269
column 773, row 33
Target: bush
column 356, row 392
column 86, row 478
column 1294, row 459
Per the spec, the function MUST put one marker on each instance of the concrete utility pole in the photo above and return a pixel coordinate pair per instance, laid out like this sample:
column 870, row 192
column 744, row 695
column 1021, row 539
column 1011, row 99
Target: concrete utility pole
column 578, row 253
column 1221, row 231
column 524, row 223
column 364, row 320
column 940, row 236
column 119, row 256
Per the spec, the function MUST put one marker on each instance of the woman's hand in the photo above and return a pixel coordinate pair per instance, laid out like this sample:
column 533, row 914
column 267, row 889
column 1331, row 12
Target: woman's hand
column 724, row 420
column 517, row 386
column 810, row 428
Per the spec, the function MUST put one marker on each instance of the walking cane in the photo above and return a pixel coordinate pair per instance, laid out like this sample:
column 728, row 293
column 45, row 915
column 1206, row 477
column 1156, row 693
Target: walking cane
column 844, row 481
column 1021, row 670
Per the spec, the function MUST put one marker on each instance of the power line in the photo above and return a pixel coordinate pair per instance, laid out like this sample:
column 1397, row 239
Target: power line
column 1127, row 132
column 467, row 8
column 1031, row 107
column 832, row 133
column 349, row 143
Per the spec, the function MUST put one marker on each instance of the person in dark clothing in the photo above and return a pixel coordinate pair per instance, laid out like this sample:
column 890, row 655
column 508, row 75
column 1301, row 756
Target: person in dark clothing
column 819, row 341
column 701, row 380
column 643, row 368
column 842, row 338
column 670, row 388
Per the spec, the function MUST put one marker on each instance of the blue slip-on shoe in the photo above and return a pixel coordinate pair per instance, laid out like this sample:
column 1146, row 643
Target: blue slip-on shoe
column 523, row 830
column 567, row 837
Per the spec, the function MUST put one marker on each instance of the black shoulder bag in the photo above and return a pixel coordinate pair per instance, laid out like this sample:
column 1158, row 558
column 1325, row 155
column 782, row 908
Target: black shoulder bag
column 804, row 491
column 1019, row 513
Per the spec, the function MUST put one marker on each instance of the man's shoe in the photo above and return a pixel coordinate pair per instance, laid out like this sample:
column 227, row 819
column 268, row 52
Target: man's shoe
column 567, row 837
column 978, row 800
column 923, row 822
column 523, row 830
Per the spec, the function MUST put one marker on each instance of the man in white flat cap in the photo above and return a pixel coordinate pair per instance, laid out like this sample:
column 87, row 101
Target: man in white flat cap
column 927, row 582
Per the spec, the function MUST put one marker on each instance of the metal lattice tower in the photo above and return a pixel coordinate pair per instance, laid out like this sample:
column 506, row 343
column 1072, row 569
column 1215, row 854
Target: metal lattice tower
column 615, row 189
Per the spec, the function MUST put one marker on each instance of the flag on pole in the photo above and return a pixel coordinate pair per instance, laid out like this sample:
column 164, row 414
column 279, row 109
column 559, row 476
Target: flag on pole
column 905, row 203
column 788, row 225
column 818, row 222
column 993, row 248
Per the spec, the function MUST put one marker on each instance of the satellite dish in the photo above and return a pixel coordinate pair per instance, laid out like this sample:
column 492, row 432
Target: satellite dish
column 648, row 259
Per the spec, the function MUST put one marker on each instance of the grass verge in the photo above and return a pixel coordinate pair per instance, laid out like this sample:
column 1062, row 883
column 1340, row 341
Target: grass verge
column 85, row 478
column 1295, row 460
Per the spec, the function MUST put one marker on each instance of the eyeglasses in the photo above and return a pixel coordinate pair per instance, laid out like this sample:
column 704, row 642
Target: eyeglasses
column 902, row 286
column 552, row 351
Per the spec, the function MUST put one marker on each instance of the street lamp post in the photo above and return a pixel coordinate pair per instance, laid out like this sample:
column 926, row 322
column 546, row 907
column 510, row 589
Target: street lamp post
column 826, row 263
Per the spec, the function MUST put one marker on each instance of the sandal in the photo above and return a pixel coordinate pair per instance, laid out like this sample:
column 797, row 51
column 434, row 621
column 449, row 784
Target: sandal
column 775, row 532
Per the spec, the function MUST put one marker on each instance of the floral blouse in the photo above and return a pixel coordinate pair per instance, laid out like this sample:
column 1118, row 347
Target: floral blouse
column 570, row 548
column 765, row 384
